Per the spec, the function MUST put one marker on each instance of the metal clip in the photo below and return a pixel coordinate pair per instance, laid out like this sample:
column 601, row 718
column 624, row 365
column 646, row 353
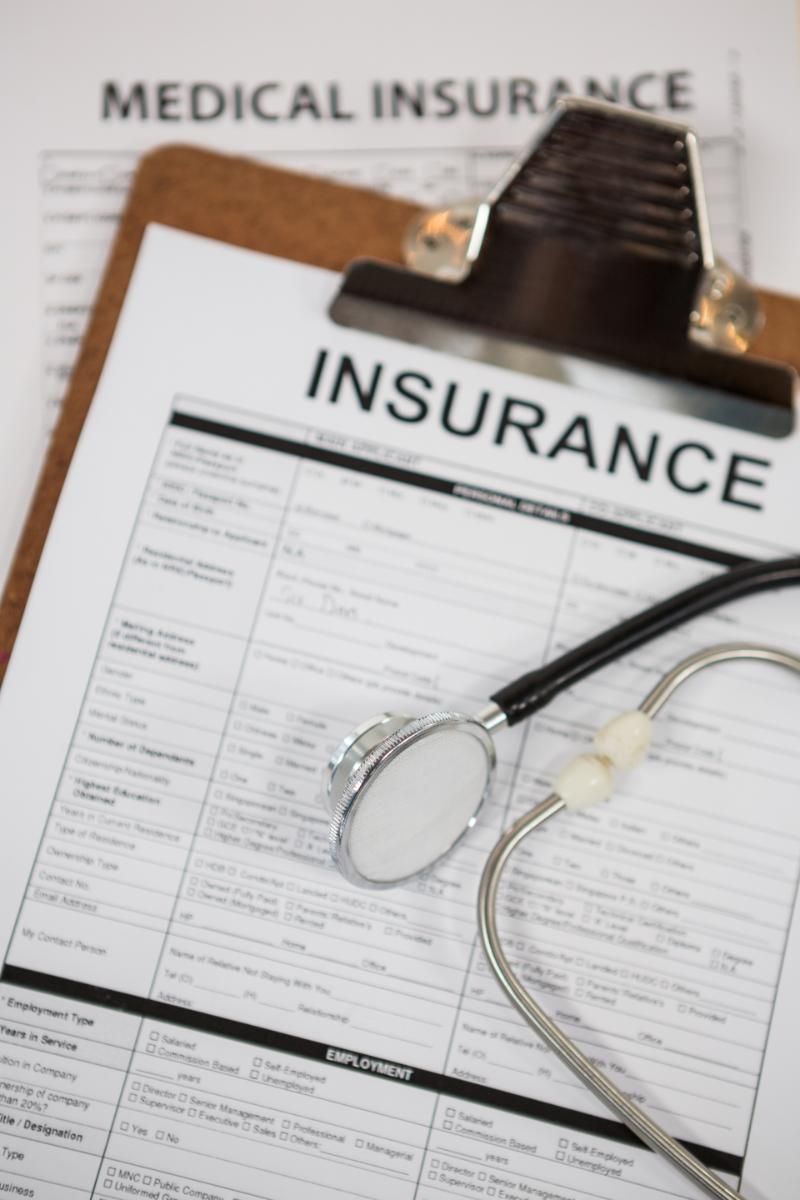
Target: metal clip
column 596, row 243
column 727, row 313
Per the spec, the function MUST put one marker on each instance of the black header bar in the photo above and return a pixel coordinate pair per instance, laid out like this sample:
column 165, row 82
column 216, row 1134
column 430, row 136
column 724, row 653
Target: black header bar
column 475, row 494
column 349, row 1059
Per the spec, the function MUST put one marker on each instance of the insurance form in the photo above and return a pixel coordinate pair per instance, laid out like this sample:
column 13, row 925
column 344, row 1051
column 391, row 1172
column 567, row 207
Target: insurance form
column 273, row 528
column 399, row 98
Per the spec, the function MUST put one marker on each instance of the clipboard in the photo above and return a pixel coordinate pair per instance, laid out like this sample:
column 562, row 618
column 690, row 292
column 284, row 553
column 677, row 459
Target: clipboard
column 308, row 220
column 271, row 211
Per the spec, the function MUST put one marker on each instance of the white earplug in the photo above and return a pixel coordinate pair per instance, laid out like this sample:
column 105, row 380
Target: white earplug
column 621, row 744
column 585, row 781
column 625, row 740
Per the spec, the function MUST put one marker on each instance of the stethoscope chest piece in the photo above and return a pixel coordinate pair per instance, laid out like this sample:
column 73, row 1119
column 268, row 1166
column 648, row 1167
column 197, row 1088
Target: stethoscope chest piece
column 402, row 791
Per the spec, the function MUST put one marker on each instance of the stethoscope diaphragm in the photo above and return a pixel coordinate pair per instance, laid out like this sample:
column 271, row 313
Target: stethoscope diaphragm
column 403, row 791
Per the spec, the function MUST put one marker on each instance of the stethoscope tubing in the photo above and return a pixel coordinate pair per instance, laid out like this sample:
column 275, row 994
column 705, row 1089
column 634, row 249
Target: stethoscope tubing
column 634, row 1117
column 535, row 689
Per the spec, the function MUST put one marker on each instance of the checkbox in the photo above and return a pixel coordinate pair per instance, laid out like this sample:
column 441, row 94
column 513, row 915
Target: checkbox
column 124, row 1126
column 257, row 1062
column 135, row 1085
column 563, row 1143
column 447, row 1125
column 153, row 1035
column 147, row 1179
column 359, row 1143
column 254, row 1074
column 286, row 1124
column 192, row 1112
column 245, row 1125
column 159, row 1135
column 491, row 1191
column 132, row 1098
column 450, row 1112
column 107, row 1183
column 191, row 893
column 111, row 1171
column 432, row 1175
column 559, row 1155
column 183, row 1097
column 434, row 1162
column 284, row 1137
column 150, row 1048
column 481, row 1175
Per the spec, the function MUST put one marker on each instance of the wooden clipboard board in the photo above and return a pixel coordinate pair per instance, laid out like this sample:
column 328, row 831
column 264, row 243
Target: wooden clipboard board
column 261, row 208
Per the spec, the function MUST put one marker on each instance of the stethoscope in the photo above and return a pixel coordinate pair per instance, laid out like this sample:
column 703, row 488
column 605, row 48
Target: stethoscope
column 403, row 791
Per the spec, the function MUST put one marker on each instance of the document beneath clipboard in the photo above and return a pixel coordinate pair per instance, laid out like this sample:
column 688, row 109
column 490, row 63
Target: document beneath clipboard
column 273, row 526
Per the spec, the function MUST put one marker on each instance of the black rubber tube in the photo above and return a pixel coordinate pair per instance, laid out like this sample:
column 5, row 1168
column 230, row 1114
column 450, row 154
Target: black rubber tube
column 537, row 688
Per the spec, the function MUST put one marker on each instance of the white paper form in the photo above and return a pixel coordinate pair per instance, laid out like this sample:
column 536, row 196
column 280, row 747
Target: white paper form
column 396, row 99
column 272, row 528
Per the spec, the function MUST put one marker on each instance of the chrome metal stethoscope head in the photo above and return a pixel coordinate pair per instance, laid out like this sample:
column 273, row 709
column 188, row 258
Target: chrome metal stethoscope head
column 402, row 791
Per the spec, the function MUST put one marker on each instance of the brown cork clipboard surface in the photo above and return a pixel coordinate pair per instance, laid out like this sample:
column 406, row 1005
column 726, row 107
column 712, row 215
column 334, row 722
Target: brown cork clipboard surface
column 262, row 208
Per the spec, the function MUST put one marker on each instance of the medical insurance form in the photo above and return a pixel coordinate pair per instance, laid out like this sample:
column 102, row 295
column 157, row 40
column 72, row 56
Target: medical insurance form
column 272, row 528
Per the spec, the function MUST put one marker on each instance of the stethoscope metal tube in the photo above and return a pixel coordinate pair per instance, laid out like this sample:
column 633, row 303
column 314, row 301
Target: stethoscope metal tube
column 634, row 1117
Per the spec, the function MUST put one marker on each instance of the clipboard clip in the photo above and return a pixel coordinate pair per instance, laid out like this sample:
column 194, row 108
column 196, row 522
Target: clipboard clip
column 594, row 243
